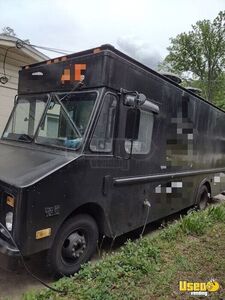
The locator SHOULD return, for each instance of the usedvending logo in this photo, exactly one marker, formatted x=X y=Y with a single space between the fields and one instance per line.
x=199 y=288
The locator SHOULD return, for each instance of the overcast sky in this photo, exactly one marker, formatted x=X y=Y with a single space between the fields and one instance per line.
x=140 y=28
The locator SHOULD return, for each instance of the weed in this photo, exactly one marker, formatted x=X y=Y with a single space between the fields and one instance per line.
x=195 y=223
x=171 y=232
x=217 y=213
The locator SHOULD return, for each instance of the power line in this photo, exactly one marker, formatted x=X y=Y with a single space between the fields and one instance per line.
x=56 y=50
x=20 y=44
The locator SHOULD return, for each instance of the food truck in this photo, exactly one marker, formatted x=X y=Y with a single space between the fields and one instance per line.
x=99 y=144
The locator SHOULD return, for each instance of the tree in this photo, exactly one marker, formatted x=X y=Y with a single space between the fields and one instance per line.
x=201 y=54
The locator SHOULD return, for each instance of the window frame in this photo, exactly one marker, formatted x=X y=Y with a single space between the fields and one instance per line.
x=96 y=123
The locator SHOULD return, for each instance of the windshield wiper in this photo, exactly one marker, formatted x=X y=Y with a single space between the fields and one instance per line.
x=76 y=87
x=25 y=137
x=68 y=116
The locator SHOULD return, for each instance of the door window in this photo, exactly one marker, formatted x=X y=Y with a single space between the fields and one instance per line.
x=102 y=139
x=142 y=144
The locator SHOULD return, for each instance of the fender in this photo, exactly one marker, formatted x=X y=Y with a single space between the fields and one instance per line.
x=205 y=181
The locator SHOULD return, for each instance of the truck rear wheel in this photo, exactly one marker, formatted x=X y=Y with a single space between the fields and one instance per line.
x=73 y=246
x=203 y=198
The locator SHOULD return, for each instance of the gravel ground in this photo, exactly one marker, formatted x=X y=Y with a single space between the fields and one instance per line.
x=14 y=284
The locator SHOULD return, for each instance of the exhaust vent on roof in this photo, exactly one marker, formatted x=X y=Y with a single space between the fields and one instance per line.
x=172 y=77
x=194 y=90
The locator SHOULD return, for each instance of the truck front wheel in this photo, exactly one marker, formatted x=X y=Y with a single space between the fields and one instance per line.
x=74 y=245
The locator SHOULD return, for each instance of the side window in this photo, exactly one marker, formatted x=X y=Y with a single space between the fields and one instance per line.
x=142 y=144
x=102 y=139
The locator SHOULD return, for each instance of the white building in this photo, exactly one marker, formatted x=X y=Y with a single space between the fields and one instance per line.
x=14 y=59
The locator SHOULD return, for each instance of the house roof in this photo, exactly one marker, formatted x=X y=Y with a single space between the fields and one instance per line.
x=28 y=52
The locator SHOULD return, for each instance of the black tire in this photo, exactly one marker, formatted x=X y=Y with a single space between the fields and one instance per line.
x=202 y=198
x=74 y=245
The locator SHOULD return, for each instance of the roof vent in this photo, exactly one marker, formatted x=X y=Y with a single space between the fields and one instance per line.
x=194 y=90
x=172 y=77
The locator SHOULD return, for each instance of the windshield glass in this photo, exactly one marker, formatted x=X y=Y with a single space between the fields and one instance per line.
x=25 y=118
x=66 y=119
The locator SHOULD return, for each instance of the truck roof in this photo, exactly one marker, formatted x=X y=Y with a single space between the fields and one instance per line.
x=105 y=66
x=105 y=49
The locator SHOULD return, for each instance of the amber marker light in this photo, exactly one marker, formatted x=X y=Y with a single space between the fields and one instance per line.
x=40 y=234
x=10 y=201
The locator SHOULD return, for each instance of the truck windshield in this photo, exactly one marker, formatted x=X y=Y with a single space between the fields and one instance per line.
x=25 y=118
x=66 y=119
x=62 y=124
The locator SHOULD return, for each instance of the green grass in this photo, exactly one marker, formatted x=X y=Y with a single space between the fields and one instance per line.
x=150 y=268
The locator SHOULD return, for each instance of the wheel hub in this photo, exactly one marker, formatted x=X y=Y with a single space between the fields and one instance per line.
x=74 y=246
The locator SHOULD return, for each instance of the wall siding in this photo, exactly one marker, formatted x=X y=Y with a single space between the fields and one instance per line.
x=7 y=94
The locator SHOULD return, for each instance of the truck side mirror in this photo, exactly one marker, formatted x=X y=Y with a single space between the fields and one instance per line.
x=134 y=99
x=132 y=124
x=137 y=100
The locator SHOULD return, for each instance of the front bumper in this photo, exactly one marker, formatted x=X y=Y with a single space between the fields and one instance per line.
x=9 y=255
x=6 y=248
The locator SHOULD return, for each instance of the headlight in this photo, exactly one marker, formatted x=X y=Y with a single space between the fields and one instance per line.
x=9 y=220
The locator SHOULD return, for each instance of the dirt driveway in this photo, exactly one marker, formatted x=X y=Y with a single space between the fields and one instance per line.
x=14 y=284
